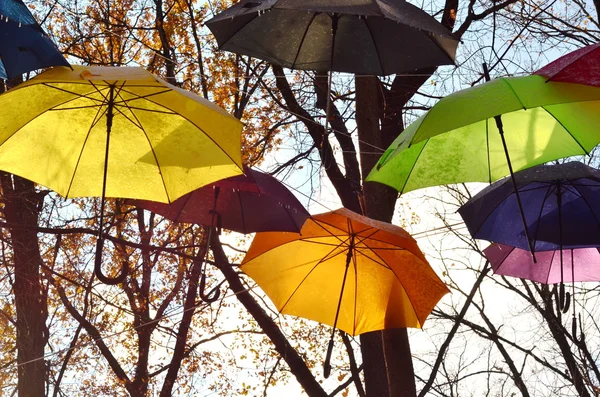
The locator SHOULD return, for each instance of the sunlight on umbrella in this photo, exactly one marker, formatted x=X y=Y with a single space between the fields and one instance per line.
x=347 y=271
x=82 y=132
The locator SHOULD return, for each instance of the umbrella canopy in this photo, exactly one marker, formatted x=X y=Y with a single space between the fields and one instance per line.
x=458 y=139
x=367 y=275
x=582 y=263
x=164 y=141
x=378 y=37
x=561 y=204
x=254 y=202
x=23 y=44
x=579 y=66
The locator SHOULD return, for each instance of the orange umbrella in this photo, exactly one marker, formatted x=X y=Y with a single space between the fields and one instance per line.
x=347 y=271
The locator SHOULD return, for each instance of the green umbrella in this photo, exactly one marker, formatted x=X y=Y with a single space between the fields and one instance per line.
x=458 y=139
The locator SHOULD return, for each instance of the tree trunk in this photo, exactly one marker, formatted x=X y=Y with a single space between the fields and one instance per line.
x=386 y=354
x=22 y=207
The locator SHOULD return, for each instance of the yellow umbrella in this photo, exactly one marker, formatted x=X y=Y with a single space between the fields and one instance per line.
x=115 y=132
x=347 y=271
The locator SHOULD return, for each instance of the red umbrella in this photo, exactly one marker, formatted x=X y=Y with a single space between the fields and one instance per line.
x=254 y=202
x=581 y=66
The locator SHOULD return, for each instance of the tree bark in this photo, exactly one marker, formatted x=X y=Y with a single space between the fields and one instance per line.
x=182 y=332
x=22 y=207
x=386 y=354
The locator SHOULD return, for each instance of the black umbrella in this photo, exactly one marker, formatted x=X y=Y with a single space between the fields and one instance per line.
x=374 y=37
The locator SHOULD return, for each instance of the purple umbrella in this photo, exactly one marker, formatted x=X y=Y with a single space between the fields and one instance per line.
x=254 y=202
x=582 y=264
x=561 y=204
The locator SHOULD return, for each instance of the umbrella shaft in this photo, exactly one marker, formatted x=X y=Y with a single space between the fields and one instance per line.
x=109 y=120
x=348 y=260
x=334 y=24
x=512 y=174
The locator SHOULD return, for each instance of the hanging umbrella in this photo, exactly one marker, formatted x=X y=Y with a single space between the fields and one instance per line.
x=23 y=44
x=457 y=140
x=552 y=267
x=581 y=264
x=561 y=204
x=375 y=37
x=249 y=203
x=579 y=66
x=100 y=131
x=347 y=271
x=464 y=139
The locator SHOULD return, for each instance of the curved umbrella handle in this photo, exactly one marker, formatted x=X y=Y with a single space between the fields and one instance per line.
x=212 y=295
x=327 y=364
x=567 y=302
x=581 y=340
x=98 y=267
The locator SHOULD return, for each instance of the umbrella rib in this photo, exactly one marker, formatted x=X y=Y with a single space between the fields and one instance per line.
x=366 y=23
x=97 y=118
x=201 y=129
x=162 y=179
x=415 y=162
x=382 y=264
x=487 y=142
x=150 y=110
x=402 y=285
x=124 y=104
x=138 y=97
x=550 y=267
x=239 y=196
x=566 y=129
x=304 y=38
x=101 y=111
x=187 y=199
x=78 y=95
x=513 y=91
x=326 y=257
x=548 y=194
x=430 y=37
x=306 y=239
x=33 y=118
x=366 y=247
x=289 y=214
x=241 y=28
x=587 y=203
x=54 y=109
x=318 y=223
x=489 y=213
x=132 y=121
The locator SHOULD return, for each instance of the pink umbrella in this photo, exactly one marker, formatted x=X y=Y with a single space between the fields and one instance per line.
x=580 y=264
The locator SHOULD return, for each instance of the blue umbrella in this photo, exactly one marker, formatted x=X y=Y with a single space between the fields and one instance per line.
x=23 y=44
x=561 y=204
